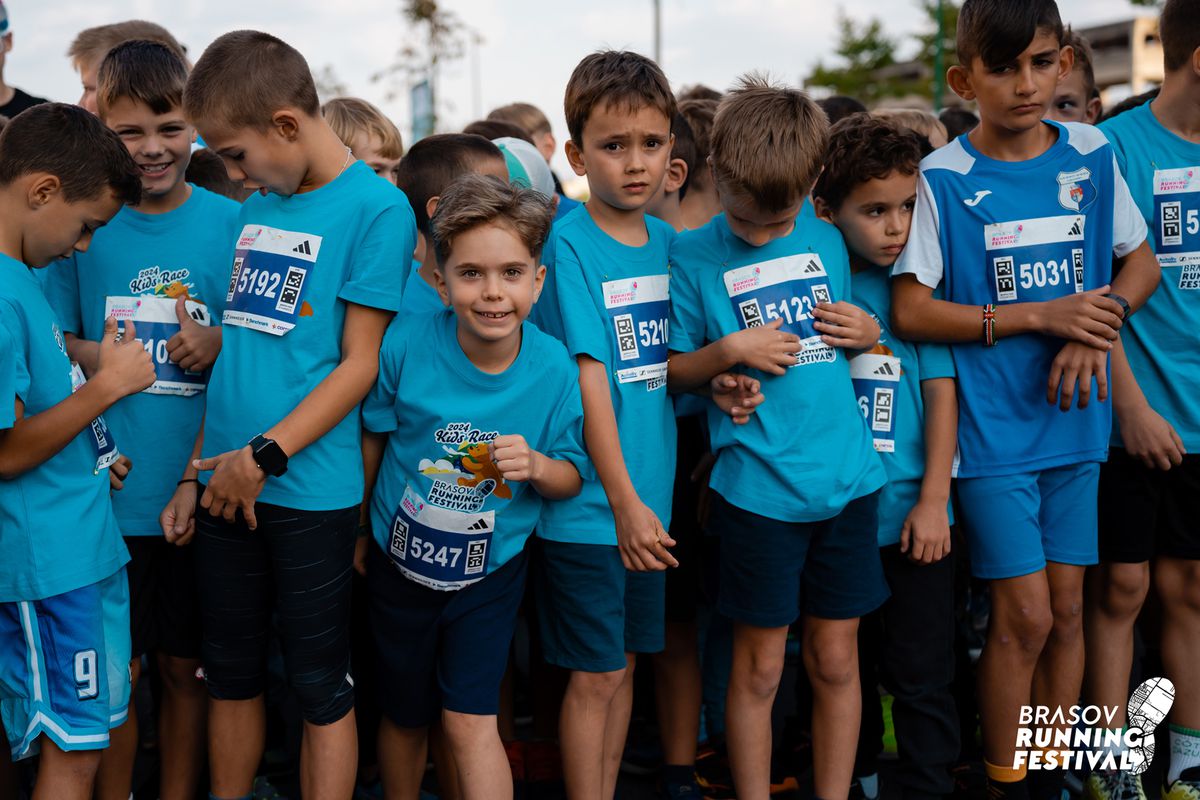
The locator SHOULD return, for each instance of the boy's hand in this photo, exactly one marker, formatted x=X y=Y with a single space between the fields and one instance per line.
x=926 y=534
x=1088 y=318
x=845 y=325
x=515 y=459
x=1077 y=364
x=736 y=395
x=178 y=519
x=123 y=367
x=764 y=348
x=235 y=485
x=641 y=539
x=117 y=473
x=360 y=553
x=196 y=346
x=1150 y=439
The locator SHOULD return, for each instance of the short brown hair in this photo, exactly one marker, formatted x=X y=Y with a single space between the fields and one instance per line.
x=997 y=31
x=1083 y=60
x=525 y=116
x=1179 y=31
x=924 y=123
x=146 y=72
x=863 y=147
x=75 y=146
x=349 y=116
x=684 y=149
x=435 y=162
x=93 y=44
x=474 y=200
x=246 y=76
x=615 y=77
x=768 y=142
x=497 y=129
x=698 y=91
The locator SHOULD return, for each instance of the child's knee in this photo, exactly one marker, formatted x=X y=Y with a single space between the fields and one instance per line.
x=1026 y=629
x=758 y=671
x=832 y=663
x=1125 y=588
x=602 y=686
x=468 y=729
x=179 y=676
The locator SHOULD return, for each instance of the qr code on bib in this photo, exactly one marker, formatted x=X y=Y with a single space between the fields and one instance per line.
x=289 y=295
x=399 y=543
x=626 y=338
x=1006 y=279
x=476 y=557
x=1172 y=230
x=751 y=313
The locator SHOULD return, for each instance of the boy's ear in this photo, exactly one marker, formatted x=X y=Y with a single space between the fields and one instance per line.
x=43 y=186
x=1195 y=62
x=440 y=280
x=823 y=210
x=677 y=172
x=958 y=78
x=431 y=205
x=539 y=279
x=1066 y=62
x=575 y=157
x=286 y=123
x=1093 y=110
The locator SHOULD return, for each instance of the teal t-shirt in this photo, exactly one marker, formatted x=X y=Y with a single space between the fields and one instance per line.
x=610 y=301
x=441 y=510
x=887 y=380
x=806 y=452
x=419 y=297
x=136 y=267
x=57 y=529
x=297 y=262
x=1161 y=340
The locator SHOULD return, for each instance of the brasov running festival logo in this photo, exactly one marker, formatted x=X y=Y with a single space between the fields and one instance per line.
x=1090 y=737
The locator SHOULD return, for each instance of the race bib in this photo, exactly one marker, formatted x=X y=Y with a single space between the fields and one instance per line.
x=785 y=288
x=1033 y=260
x=638 y=309
x=156 y=322
x=271 y=270
x=1177 y=224
x=876 y=381
x=101 y=437
x=439 y=548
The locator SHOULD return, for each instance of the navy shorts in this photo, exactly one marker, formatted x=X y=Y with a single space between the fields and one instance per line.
x=592 y=611
x=772 y=570
x=1016 y=523
x=1146 y=513
x=165 y=611
x=441 y=649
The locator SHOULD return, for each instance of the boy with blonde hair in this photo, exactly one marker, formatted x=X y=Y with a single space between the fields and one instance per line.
x=372 y=137
x=91 y=45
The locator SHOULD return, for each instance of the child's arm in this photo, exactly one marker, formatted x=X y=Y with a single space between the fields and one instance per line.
x=237 y=480
x=736 y=395
x=764 y=348
x=1146 y=435
x=84 y=353
x=552 y=478
x=926 y=533
x=640 y=535
x=178 y=519
x=373 y=445
x=124 y=368
x=196 y=346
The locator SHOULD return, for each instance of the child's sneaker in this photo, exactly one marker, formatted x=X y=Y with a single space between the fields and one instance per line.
x=1113 y=785
x=1186 y=787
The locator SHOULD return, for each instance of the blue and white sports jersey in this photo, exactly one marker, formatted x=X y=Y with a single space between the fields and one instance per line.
x=137 y=267
x=297 y=263
x=1002 y=232
x=57 y=529
x=1161 y=340
x=806 y=452
x=887 y=380
x=441 y=510
x=609 y=301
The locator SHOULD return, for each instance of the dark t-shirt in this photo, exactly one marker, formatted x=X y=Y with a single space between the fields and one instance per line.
x=20 y=101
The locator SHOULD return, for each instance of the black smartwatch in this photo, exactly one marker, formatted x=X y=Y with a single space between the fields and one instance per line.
x=1123 y=303
x=268 y=455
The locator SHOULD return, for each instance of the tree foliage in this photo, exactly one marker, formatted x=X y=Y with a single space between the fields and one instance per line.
x=435 y=35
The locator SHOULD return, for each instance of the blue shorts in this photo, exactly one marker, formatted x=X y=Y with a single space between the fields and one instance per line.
x=439 y=649
x=592 y=611
x=64 y=669
x=1016 y=523
x=771 y=570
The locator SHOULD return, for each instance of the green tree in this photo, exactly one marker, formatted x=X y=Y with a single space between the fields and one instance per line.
x=862 y=50
x=927 y=44
x=436 y=35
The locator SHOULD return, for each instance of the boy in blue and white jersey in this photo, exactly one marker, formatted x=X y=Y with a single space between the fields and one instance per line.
x=1017 y=225
x=906 y=391
x=461 y=477
x=764 y=287
x=164 y=265
x=1150 y=487
x=64 y=603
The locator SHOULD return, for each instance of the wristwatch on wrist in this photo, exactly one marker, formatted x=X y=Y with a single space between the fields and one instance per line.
x=1123 y=303
x=269 y=456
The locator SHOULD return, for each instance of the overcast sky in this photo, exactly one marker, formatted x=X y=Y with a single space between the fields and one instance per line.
x=529 y=46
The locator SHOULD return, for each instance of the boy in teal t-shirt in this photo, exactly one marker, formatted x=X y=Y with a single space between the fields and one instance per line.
x=764 y=287
x=1149 y=498
x=318 y=269
x=64 y=605
x=460 y=479
x=163 y=265
x=906 y=393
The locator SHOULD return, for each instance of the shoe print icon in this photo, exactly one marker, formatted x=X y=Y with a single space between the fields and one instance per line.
x=1148 y=706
